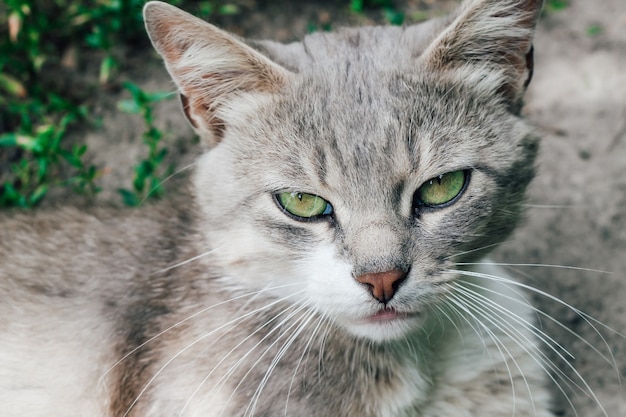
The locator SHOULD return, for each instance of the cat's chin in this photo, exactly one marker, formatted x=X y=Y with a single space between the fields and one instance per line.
x=384 y=325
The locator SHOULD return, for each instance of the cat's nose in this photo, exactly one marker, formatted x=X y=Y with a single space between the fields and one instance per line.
x=383 y=285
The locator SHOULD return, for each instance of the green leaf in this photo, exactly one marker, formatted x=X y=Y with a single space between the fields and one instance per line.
x=72 y=159
x=11 y=197
x=228 y=9
x=394 y=17
x=106 y=69
x=129 y=106
x=356 y=6
x=160 y=96
x=28 y=143
x=38 y=194
x=594 y=30
x=134 y=90
x=128 y=197
x=12 y=86
x=8 y=139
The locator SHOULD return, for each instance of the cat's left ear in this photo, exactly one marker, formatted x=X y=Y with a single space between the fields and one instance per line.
x=491 y=39
x=212 y=68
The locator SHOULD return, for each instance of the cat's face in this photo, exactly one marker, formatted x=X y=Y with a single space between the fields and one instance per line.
x=356 y=185
x=370 y=156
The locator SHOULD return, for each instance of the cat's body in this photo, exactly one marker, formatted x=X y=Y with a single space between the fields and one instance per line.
x=67 y=331
x=242 y=298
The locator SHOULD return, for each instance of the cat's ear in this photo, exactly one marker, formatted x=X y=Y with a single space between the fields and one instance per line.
x=210 y=67
x=492 y=38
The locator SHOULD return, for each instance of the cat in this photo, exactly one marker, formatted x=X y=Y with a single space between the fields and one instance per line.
x=329 y=259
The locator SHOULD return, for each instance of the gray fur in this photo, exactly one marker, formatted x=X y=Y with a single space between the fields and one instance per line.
x=221 y=304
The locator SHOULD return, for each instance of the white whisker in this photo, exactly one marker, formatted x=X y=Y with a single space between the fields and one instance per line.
x=587 y=390
x=549 y=317
x=191 y=317
x=573 y=268
x=302 y=323
x=185 y=262
x=231 y=370
x=232 y=350
x=195 y=342
x=305 y=352
x=547 y=295
x=458 y=302
x=482 y=248
x=552 y=206
x=164 y=180
x=539 y=362
x=488 y=304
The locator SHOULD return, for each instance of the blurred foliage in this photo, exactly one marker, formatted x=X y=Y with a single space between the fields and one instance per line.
x=551 y=6
x=149 y=174
x=392 y=14
x=595 y=29
x=37 y=109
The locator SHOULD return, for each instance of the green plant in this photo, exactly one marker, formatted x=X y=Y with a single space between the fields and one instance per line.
x=149 y=174
x=393 y=16
x=39 y=100
x=594 y=29
x=552 y=6
x=38 y=168
x=35 y=109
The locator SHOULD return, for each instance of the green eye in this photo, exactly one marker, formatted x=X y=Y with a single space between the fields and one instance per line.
x=441 y=190
x=304 y=205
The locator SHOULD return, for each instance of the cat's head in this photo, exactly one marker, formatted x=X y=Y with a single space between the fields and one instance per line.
x=353 y=171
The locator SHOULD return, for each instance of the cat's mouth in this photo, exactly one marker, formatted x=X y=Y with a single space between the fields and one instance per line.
x=389 y=314
x=385 y=324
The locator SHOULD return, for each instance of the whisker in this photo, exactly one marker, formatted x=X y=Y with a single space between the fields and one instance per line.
x=587 y=389
x=195 y=342
x=191 y=317
x=445 y=314
x=540 y=363
x=573 y=268
x=323 y=339
x=227 y=355
x=185 y=262
x=553 y=206
x=542 y=336
x=452 y=297
x=267 y=349
x=164 y=180
x=544 y=314
x=580 y=313
x=305 y=352
x=493 y=245
x=281 y=353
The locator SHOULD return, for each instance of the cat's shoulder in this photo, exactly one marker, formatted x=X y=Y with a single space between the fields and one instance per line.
x=68 y=245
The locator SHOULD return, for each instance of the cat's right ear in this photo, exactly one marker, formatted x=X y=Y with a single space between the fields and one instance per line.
x=489 y=41
x=210 y=67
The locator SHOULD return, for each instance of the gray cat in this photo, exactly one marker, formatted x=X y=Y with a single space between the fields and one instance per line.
x=330 y=258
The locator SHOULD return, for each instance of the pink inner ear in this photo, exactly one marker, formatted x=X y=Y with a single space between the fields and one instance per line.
x=209 y=66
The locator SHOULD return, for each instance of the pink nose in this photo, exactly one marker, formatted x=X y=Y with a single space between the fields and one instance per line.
x=383 y=285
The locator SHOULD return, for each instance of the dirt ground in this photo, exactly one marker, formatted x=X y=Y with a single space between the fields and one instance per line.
x=577 y=206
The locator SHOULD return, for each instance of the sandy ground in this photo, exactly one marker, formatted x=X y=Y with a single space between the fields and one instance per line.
x=577 y=214
x=577 y=206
